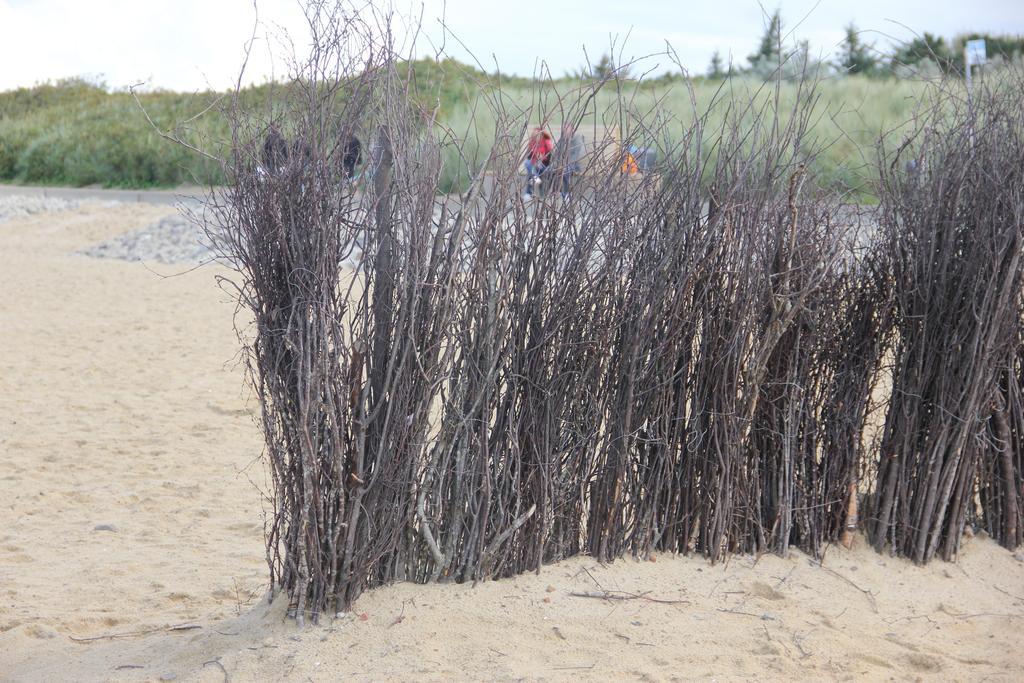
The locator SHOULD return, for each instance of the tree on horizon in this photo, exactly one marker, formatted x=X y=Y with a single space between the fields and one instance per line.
x=605 y=68
x=770 y=47
x=716 y=70
x=856 y=56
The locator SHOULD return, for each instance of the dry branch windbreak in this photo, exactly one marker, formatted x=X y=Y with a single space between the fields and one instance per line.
x=458 y=388
x=951 y=449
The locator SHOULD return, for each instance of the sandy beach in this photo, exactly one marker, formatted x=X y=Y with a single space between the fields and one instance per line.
x=131 y=528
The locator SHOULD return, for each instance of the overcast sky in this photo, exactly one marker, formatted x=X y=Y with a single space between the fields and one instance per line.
x=189 y=44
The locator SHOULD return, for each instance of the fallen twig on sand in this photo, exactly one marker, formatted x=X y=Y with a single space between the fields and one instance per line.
x=777 y=642
x=960 y=615
x=570 y=668
x=596 y=582
x=804 y=654
x=400 y=618
x=184 y=627
x=765 y=617
x=216 y=661
x=870 y=596
x=1004 y=592
x=133 y=634
x=622 y=595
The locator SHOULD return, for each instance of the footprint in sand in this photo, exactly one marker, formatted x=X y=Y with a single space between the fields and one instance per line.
x=765 y=650
x=922 y=662
x=873 y=660
x=41 y=631
x=763 y=590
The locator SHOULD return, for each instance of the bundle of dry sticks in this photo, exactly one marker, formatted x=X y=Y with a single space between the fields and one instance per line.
x=721 y=357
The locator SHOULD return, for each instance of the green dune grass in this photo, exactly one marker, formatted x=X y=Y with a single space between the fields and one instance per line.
x=76 y=133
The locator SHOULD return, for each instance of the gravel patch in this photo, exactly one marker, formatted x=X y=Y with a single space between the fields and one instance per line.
x=19 y=206
x=172 y=239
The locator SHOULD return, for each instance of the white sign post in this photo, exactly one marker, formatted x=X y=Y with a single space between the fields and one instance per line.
x=974 y=55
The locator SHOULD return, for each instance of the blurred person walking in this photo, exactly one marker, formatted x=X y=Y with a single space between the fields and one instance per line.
x=537 y=159
x=568 y=155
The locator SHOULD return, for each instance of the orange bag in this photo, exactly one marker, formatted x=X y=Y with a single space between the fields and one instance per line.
x=629 y=166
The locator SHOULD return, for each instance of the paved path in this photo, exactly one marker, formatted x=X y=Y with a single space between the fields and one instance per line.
x=146 y=196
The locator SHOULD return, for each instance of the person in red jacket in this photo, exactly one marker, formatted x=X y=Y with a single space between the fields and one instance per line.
x=538 y=157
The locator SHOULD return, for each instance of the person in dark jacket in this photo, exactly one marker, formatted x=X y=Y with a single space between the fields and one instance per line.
x=568 y=155
x=351 y=157
x=301 y=153
x=275 y=151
